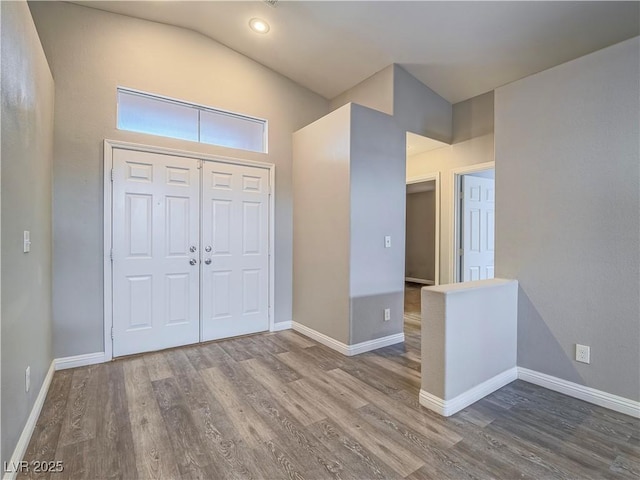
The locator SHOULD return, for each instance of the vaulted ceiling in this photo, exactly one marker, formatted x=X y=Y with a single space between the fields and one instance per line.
x=458 y=49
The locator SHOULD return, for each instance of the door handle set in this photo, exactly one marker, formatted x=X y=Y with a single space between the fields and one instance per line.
x=193 y=249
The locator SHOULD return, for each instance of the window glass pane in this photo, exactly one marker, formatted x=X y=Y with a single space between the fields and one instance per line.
x=227 y=130
x=141 y=113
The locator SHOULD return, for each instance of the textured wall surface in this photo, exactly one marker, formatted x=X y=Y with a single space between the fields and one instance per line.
x=27 y=151
x=321 y=153
x=568 y=228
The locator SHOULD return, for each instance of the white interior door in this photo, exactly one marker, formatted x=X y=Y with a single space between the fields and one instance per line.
x=156 y=230
x=235 y=240
x=478 y=227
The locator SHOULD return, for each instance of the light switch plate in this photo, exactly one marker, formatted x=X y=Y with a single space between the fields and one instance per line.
x=387 y=241
x=27 y=241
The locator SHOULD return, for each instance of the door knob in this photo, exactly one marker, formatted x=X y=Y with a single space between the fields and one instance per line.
x=192 y=248
x=207 y=248
x=208 y=261
x=193 y=261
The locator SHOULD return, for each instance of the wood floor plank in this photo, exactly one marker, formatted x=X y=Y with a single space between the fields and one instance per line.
x=157 y=366
x=248 y=423
x=80 y=422
x=397 y=458
x=78 y=461
x=436 y=431
x=186 y=442
x=358 y=460
x=304 y=412
x=272 y=366
x=233 y=456
x=295 y=339
x=154 y=454
x=114 y=449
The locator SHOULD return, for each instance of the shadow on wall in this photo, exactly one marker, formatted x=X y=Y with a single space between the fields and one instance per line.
x=535 y=336
x=368 y=316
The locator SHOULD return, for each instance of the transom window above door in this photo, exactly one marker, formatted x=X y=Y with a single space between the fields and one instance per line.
x=147 y=113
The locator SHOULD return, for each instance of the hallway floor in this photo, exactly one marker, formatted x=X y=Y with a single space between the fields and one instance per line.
x=279 y=405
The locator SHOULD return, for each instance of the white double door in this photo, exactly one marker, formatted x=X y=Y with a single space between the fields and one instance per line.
x=190 y=258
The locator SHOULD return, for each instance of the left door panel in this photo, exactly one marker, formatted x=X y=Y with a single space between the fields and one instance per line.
x=156 y=251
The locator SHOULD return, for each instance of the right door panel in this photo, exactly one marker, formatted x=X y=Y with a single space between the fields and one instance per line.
x=235 y=239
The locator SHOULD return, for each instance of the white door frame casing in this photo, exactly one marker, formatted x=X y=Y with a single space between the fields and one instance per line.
x=454 y=228
x=109 y=146
x=427 y=178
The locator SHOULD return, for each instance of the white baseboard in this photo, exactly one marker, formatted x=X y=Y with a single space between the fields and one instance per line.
x=27 y=431
x=375 y=344
x=447 y=408
x=79 y=360
x=419 y=280
x=588 y=394
x=343 y=348
x=277 y=327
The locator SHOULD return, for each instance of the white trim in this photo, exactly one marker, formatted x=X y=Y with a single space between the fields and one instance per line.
x=447 y=408
x=455 y=214
x=588 y=394
x=109 y=145
x=375 y=344
x=80 y=360
x=343 y=348
x=426 y=178
x=29 y=427
x=277 y=327
x=419 y=280
x=107 y=306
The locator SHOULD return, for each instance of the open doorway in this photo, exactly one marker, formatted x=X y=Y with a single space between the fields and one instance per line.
x=422 y=244
x=474 y=223
x=422 y=236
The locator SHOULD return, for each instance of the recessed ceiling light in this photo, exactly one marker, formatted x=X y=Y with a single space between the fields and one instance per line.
x=258 y=25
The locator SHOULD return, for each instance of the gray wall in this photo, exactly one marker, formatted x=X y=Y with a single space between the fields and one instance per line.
x=418 y=109
x=321 y=153
x=378 y=193
x=375 y=92
x=420 y=254
x=91 y=53
x=568 y=229
x=414 y=106
x=473 y=118
x=27 y=150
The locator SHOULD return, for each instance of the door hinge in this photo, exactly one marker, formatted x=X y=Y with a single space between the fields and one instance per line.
x=460 y=252
x=199 y=164
x=111 y=254
x=112 y=174
x=461 y=195
x=111 y=333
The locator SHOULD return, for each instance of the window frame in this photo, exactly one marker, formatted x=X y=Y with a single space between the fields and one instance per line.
x=199 y=108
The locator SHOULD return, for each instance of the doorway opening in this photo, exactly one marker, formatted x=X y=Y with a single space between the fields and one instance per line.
x=422 y=239
x=474 y=223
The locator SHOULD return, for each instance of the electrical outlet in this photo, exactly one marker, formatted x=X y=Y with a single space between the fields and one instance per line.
x=27 y=379
x=583 y=353
x=387 y=241
x=387 y=314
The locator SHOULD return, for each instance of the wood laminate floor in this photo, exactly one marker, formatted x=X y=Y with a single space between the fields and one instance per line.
x=279 y=405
